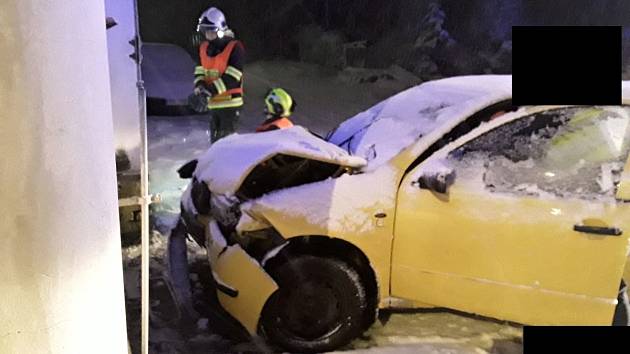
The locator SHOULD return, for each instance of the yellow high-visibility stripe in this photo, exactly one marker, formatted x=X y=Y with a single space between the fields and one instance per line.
x=212 y=73
x=237 y=77
x=220 y=85
x=199 y=78
x=234 y=102
x=234 y=72
x=200 y=70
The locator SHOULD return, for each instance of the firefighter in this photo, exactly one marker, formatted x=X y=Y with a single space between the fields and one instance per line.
x=279 y=106
x=219 y=78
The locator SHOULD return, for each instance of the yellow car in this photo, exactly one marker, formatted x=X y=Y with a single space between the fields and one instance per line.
x=441 y=196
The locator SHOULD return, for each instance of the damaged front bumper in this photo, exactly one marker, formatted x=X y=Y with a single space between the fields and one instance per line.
x=243 y=285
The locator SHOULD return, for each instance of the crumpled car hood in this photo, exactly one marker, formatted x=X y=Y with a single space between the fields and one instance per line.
x=227 y=163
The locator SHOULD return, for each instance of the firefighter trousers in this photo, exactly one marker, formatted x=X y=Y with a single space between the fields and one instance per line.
x=223 y=122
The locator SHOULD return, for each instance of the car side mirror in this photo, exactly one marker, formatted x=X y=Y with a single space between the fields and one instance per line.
x=187 y=170
x=438 y=182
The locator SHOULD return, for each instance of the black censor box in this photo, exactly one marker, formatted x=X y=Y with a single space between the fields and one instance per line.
x=566 y=65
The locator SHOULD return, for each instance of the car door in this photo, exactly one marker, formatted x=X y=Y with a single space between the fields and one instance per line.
x=530 y=229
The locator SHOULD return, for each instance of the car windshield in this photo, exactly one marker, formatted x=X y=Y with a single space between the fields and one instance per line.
x=387 y=128
x=347 y=135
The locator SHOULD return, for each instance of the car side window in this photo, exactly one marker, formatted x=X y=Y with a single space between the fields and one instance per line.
x=465 y=127
x=576 y=152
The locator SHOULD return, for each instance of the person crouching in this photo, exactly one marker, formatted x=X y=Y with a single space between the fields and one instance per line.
x=279 y=106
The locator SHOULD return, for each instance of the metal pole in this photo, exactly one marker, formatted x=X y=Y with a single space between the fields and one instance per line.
x=145 y=199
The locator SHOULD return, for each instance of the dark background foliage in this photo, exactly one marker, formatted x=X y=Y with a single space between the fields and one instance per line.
x=431 y=38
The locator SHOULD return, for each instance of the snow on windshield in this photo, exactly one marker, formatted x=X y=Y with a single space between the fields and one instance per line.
x=566 y=153
x=384 y=130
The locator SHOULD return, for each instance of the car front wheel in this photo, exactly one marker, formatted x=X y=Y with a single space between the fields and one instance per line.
x=319 y=305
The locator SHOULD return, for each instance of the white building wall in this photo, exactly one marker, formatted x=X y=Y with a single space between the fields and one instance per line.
x=61 y=287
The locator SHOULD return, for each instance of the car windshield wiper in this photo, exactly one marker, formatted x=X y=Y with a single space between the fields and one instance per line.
x=351 y=137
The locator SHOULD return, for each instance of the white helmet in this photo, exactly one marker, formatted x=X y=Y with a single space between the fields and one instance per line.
x=212 y=20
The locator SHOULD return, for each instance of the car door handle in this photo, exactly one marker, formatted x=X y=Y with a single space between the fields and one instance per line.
x=598 y=230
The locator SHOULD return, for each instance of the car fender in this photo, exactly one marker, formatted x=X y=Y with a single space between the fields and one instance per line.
x=243 y=285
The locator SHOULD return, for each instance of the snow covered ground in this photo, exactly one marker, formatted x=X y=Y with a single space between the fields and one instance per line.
x=429 y=331
x=324 y=99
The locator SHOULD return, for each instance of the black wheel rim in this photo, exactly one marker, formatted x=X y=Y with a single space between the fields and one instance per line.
x=309 y=311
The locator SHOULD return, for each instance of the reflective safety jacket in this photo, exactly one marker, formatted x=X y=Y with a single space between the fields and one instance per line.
x=274 y=124
x=222 y=73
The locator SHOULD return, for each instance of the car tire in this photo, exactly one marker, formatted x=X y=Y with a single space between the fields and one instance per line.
x=319 y=306
x=622 y=310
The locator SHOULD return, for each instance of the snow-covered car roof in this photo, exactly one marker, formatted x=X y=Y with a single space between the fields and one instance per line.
x=167 y=71
x=227 y=163
x=394 y=124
